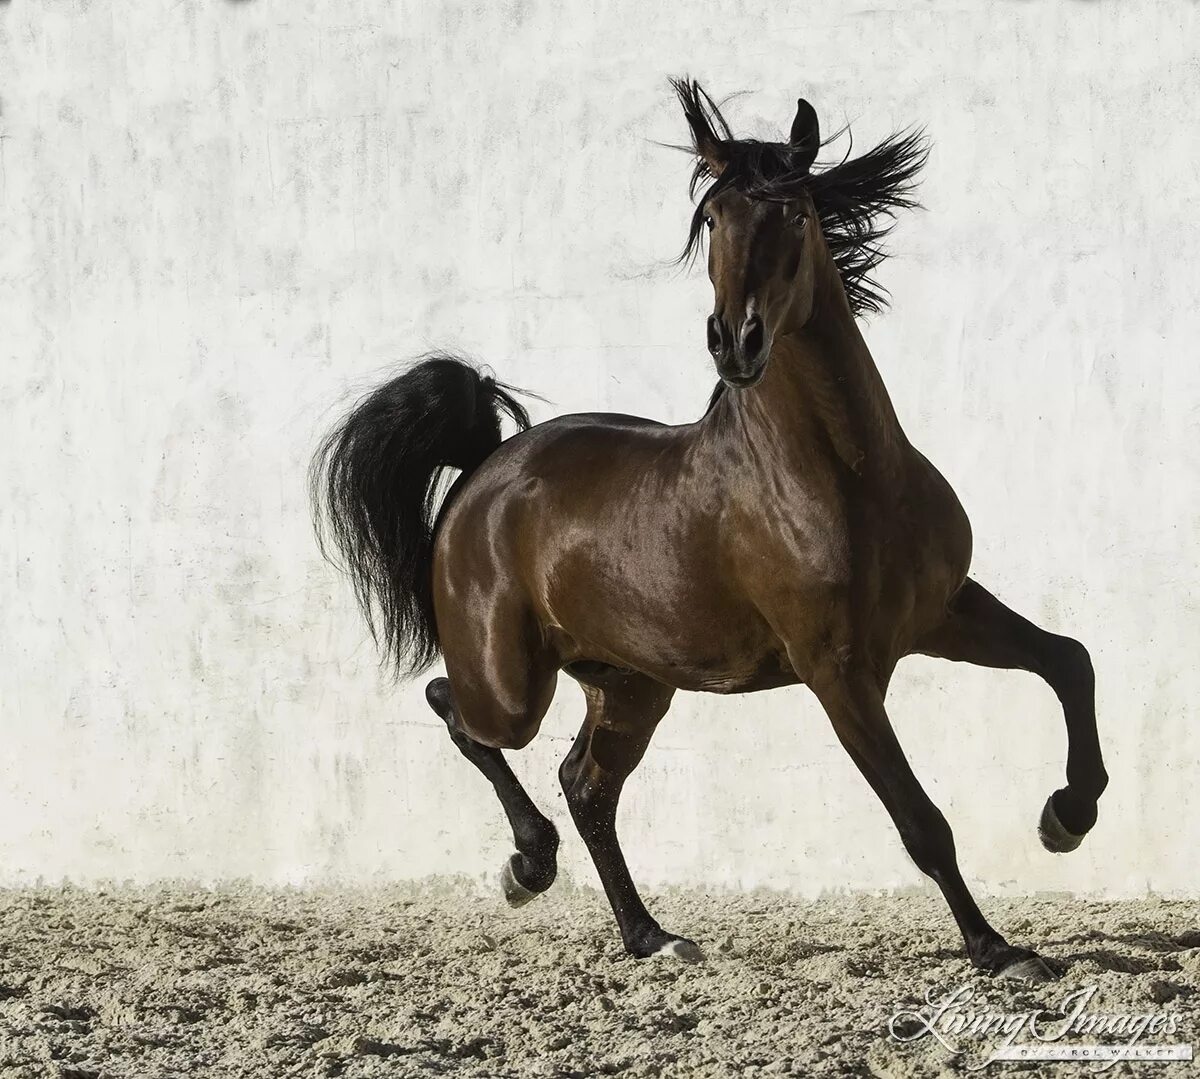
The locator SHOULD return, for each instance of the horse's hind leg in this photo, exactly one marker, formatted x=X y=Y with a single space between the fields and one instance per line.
x=621 y=718
x=532 y=868
x=981 y=630
x=854 y=703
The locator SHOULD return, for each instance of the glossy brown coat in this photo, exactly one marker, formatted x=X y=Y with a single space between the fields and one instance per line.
x=793 y=534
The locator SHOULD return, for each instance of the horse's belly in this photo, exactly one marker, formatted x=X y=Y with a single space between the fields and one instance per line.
x=692 y=639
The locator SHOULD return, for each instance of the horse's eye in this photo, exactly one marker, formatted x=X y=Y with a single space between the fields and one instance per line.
x=708 y=221
x=800 y=220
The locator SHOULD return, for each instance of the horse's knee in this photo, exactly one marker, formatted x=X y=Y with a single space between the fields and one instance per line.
x=928 y=839
x=1072 y=661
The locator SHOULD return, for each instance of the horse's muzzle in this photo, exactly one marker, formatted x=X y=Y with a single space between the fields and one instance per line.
x=741 y=358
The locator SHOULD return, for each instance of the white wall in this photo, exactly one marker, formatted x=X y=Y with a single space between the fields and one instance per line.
x=221 y=218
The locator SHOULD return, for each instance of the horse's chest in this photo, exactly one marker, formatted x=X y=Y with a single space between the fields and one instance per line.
x=830 y=565
x=807 y=541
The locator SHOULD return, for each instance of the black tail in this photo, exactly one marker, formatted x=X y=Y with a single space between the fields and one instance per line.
x=375 y=481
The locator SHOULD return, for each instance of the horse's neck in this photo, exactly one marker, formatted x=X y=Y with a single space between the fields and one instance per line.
x=822 y=380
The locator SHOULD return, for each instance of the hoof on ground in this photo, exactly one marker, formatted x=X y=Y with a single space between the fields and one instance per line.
x=1032 y=968
x=684 y=950
x=515 y=893
x=1053 y=834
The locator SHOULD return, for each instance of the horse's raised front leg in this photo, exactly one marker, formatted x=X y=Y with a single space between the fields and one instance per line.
x=531 y=870
x=979 y=629
x=620 y=722
x=855 y=706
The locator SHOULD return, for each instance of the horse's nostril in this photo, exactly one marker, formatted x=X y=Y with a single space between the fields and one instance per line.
x=752 y=336
x=716 y=340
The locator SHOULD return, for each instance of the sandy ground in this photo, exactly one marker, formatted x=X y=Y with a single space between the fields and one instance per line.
x=184 y=981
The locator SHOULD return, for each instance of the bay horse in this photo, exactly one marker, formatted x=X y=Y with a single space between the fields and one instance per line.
x=791 y=535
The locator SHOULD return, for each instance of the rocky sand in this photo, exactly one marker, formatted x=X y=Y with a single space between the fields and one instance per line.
x=441 y=980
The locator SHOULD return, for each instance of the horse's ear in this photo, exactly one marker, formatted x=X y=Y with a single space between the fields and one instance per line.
x=709 y=150
x=705 y=123
x=806 y=135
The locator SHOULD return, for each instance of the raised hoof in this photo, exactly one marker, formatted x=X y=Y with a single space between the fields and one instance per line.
x=515 y=893
x=1053 y=834
x=685 y=951
x=1032 y=968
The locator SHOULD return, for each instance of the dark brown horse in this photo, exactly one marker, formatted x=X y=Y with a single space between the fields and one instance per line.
x=793 y=534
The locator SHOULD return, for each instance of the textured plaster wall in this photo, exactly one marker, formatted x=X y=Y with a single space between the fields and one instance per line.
x=217 y=220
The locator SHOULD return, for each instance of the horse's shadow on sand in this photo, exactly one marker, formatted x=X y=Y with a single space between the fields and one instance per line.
x=1160 y=947
x=1063 y=957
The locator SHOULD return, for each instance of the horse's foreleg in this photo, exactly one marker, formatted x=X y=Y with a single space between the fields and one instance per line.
x=980 y=629
x=620 y=722
x=854 y=704
x=532 y=868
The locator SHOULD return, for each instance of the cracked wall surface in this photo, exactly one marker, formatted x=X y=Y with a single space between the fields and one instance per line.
x=218 y=222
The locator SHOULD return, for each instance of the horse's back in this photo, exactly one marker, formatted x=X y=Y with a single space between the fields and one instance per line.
x=563 y=455
x=568 y=474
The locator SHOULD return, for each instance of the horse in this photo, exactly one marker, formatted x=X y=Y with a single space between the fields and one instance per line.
x=791 y=535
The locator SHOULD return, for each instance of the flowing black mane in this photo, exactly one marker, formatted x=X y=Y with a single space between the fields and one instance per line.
x=855 y=200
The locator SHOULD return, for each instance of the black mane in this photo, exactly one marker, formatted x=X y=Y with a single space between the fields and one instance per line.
x=855 y=200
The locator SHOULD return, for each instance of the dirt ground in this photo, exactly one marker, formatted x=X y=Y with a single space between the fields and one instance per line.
x=184 y=981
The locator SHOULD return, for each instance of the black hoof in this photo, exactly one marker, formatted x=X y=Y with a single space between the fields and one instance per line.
x=521 y=881
x=686 y=951
x=515 y=893
x=658 y=942
x=1065 y=820
x=995 y=956
x=1001 y=960
x=1031 y=968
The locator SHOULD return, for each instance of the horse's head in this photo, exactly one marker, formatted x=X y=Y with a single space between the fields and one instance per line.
x=762 y=243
